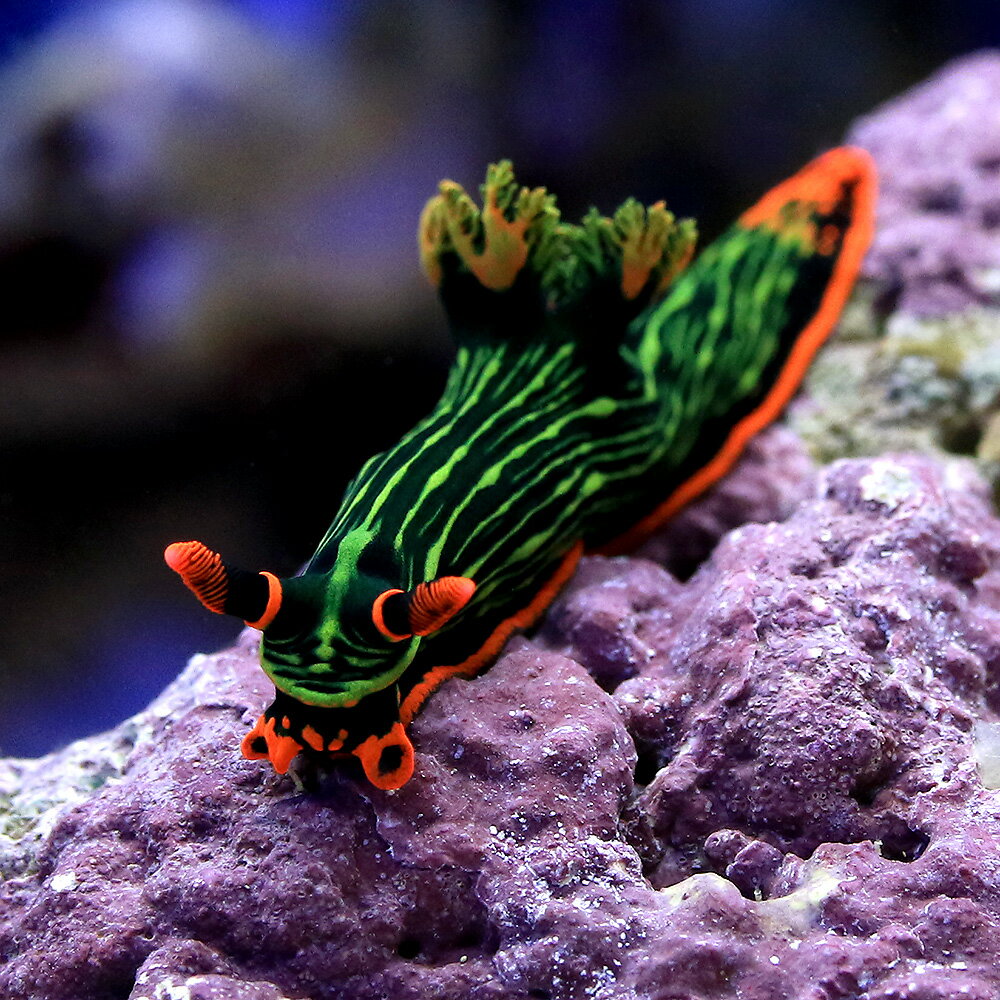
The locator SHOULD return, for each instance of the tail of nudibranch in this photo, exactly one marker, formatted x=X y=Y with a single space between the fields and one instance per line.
x=733 y=338
x=518 y=243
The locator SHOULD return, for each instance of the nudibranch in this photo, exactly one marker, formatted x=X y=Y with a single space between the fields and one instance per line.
x=599 y=384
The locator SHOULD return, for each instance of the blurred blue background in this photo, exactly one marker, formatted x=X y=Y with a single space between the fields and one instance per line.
x=211 y=306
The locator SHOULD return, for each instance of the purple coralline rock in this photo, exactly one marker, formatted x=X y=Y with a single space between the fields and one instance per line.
x=781 y=784
x=775 y=474
x=938 y=150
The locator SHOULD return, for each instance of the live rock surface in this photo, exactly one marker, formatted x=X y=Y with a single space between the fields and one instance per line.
x=760 y=759
x=915 y=364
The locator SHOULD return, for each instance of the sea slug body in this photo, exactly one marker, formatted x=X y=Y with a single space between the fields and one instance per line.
x=600 y=383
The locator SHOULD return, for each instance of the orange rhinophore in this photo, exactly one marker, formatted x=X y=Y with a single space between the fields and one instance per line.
x=202 y=570
x=434 y=603
x=224 y=589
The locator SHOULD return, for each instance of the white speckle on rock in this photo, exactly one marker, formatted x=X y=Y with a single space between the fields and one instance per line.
x=63 y=882
x=987 y=279
x=987 y=750
x=170 y=989
x=888 y=484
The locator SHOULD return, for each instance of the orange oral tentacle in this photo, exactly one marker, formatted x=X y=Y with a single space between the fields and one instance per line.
x=387 y=760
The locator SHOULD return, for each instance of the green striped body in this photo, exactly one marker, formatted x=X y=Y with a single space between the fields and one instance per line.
x=573 y=412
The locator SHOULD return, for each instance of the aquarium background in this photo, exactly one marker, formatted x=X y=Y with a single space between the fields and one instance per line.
x=211 y=306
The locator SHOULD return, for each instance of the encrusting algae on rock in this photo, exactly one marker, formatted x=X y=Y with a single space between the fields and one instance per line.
x=770 y=780
x=916 y=364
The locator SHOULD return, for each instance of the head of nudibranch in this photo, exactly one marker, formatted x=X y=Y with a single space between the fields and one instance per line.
x=334 y=644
